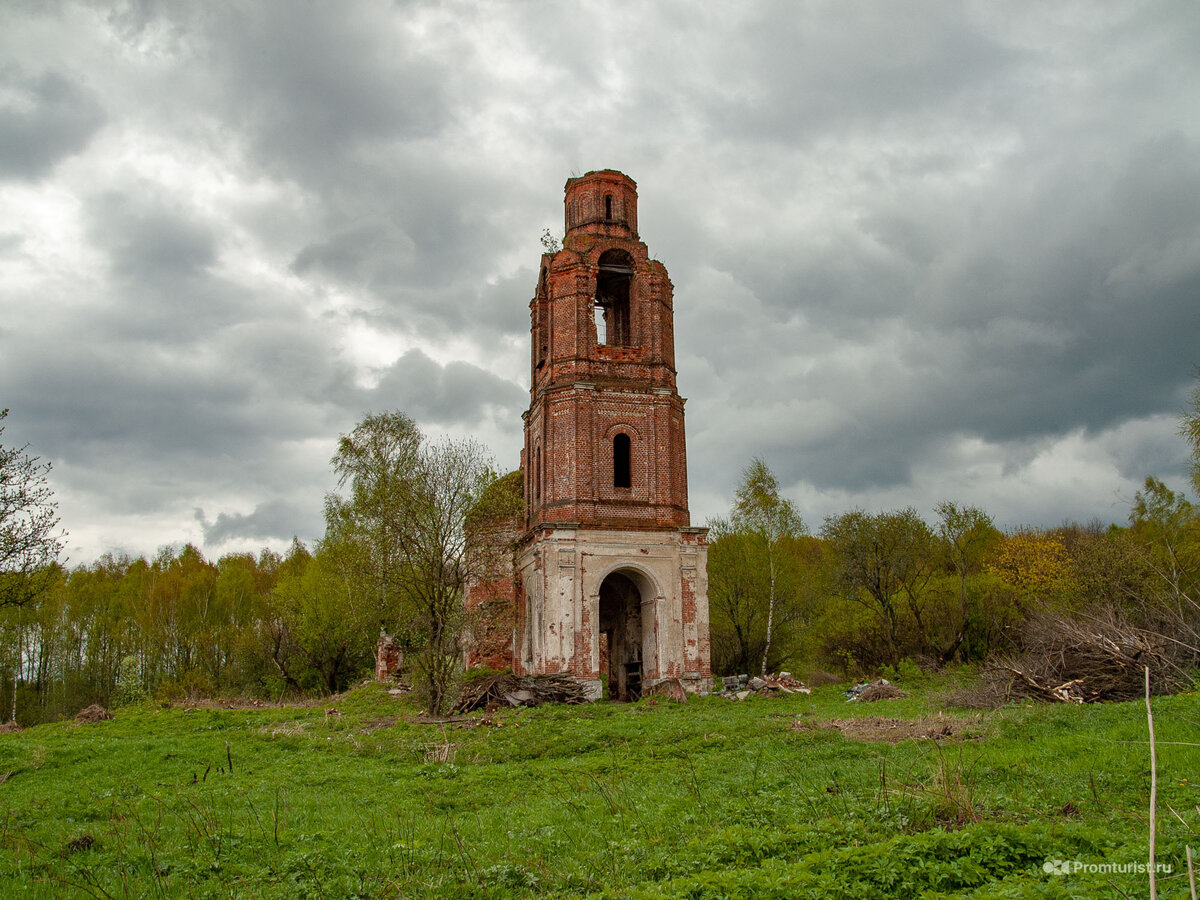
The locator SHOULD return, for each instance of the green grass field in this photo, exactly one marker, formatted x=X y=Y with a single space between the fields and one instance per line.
x=712 y=798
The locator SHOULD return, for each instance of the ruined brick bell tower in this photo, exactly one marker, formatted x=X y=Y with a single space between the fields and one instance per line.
x=611 y=581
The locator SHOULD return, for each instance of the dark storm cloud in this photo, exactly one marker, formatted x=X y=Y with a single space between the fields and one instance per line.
x=1014 y=294
x=43 y=119
x=903 y=236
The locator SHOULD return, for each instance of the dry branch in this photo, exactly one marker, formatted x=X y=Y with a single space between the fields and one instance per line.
x=509 y=690
x=1088 y=657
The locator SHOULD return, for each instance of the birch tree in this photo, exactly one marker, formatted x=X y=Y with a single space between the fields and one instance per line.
x=762 y=528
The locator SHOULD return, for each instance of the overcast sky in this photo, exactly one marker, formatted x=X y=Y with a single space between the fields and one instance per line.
x=920 y=250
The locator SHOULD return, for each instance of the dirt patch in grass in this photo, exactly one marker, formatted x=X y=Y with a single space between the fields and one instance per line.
x=191 y=703
x=893 y=731
x=379 y=722
x=487 y=721
x=10 y=728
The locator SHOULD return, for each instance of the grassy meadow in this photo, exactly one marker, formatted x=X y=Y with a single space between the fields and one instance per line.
x=771 y=797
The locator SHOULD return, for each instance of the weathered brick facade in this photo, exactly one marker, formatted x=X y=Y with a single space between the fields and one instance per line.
x=490 y=602
x=610 y=579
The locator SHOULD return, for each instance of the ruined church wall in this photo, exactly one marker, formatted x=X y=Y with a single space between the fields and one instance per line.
x=559 y=578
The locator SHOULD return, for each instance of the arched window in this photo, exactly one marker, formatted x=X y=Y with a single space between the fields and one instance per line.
x=622 y=465
x=537 y=489
x=608 y=207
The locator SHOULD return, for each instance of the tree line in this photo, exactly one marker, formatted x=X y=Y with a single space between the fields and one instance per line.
x=395 y=556
x=873 y=589
x=414 y=522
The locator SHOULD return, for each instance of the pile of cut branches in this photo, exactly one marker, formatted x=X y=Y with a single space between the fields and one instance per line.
x=1089 y=656
x=502 y=690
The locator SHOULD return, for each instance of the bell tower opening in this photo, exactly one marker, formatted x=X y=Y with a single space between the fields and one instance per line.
x=613 y=283
x=621 y=636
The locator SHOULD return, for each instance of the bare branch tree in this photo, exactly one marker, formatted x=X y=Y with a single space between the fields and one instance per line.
x=30 y=539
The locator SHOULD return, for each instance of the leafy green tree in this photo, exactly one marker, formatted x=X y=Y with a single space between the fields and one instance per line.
x=328 y=623
x=1109 y=564
x=1168 y=525
x=271 y=654
x=377 y=461
x=757 y=581
x=30 y=539
x=884 y=562
x=965 y=533
x=408 y=509
x=235 y=603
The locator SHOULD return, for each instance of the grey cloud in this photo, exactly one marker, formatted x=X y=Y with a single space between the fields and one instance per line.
x=313 y=83
x=147 y=238
x=457 y=393
x=360 y=254
x=46 y=119
x=893 y=230
x=273 y=519
x=925 y=60
x=1070 y=305
x=164 y=284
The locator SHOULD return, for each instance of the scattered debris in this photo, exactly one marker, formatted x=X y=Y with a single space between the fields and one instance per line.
x=94 y=713
x=1072 y=691
x=670 y=688
x=509 y=690
x=739 y=687
x=870 y=691
x=441 y=753
x=10 y=727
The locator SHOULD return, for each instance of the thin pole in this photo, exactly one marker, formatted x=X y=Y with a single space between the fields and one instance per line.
x=1153 y=790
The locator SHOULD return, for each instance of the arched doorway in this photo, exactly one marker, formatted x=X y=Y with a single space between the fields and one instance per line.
x=621 y=643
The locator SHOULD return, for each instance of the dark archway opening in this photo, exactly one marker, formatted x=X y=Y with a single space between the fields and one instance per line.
x=621 y=637
x=613 y=284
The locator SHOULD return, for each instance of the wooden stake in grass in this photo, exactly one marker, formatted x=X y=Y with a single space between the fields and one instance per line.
x=1153 y=789
x=1191 y=872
